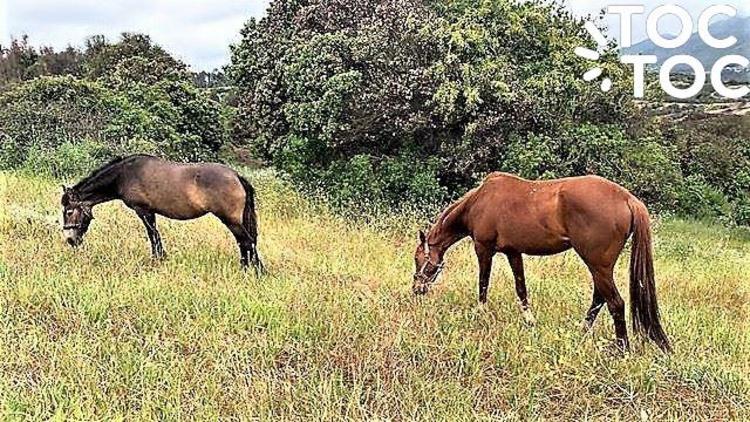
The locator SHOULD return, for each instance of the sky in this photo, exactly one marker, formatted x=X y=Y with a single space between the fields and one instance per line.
x=196 y=31
x=199 y=32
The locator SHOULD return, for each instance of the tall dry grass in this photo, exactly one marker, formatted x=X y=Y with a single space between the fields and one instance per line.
x=104 y=332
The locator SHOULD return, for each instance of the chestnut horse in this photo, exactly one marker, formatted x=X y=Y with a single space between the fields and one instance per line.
x=514 y=216
x=150 y=186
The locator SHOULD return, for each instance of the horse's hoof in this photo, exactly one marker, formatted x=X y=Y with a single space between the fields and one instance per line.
x=586 y=326
x=618 y=348
x=528 y=318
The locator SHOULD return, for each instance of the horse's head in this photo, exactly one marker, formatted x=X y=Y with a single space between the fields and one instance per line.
x=428 y=265
x=77 y=216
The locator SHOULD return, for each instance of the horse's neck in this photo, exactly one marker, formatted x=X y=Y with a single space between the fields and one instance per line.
x=449 y=229
x=444 y=239
x=103 y=188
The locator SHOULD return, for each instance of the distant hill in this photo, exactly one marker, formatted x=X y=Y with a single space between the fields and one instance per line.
x=737 y=26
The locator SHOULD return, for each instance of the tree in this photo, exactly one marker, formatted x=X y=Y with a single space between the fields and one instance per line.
x=440 y=85
x=134 y=58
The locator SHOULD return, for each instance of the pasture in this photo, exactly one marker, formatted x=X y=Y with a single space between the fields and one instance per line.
x=334 y=331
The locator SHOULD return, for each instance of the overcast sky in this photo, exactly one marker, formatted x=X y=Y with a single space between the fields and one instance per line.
x=200 y=31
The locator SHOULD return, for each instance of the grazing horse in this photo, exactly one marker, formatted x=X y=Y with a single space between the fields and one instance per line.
x=514 y=216
x=149 y=186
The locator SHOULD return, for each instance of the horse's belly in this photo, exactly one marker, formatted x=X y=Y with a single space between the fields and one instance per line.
x=535 y=245
x=186 y=214
x=543 y=250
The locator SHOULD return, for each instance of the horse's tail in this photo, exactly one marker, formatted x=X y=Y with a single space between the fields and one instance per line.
x=250 y=218
x=643 y=307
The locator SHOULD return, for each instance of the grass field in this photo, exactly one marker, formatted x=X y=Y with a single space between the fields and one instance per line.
x=333 y=331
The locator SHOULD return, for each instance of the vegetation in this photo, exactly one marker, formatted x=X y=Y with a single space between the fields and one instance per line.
x=130 y=96
x=397 y=105
x=388 y=109
x=415 y=101
x=103 y=332
x=364 y=98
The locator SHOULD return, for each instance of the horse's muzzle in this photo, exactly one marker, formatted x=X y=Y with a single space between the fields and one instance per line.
x=74 y=241
x=72 y=238
x=420 y=287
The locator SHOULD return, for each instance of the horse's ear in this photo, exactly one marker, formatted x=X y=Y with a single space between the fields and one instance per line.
x=422 y=237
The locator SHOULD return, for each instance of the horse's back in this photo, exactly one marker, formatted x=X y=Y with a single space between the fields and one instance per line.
x=549 y=216
x=185 y=190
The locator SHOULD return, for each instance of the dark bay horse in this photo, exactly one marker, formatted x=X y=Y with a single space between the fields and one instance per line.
x=589 y=214
x=150 y=186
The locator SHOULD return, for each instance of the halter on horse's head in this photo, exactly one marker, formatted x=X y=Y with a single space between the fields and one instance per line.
x=77 y=216
x=429 y=264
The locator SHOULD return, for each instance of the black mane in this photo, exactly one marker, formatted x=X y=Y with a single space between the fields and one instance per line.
x=103 y=176
x=104 y=169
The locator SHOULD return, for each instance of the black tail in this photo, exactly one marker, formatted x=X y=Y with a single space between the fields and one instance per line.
x=250 y=222
x=643 y=307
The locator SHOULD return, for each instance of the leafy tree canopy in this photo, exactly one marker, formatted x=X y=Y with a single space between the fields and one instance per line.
x=444 y=86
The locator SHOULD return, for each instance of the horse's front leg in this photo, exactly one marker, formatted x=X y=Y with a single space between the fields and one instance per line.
x=149 y=221
x=484 y=256
x=516 y=264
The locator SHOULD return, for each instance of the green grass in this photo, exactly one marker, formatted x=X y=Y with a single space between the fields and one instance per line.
x=103 y=332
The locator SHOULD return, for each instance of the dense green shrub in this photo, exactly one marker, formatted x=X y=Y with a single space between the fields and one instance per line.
x=45 y=113
x=741 y=210
x=169 y=118
x=352 y=85
x=641 y=164
x=134 y=58
x=698 y=198
x=717 y=149
x=67 y=159
x=363 y=182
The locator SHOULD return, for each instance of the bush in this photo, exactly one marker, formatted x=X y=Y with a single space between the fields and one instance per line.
x=368 y=84
x=362 y=183
x=67 y=160
x=47 y=112
x=55 y=114
x=697 y=198
x=643 y=165
x=741 y=210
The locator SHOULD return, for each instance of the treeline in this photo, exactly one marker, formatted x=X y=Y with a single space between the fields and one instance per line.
x=66 y=111
x=414 y=101
x=377 y=103
x=22 y=61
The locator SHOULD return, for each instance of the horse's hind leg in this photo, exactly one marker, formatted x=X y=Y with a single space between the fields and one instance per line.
x=149 y=221
x=597 y=302
x=247 y=246
x=604 y=282
x=599 y=250
x=243 y=242
x=516 y=264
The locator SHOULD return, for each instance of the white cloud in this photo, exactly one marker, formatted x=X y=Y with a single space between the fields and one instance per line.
x=198 y=31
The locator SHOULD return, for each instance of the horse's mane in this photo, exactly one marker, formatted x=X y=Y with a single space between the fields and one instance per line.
x=454 y=210
x=103 y=171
